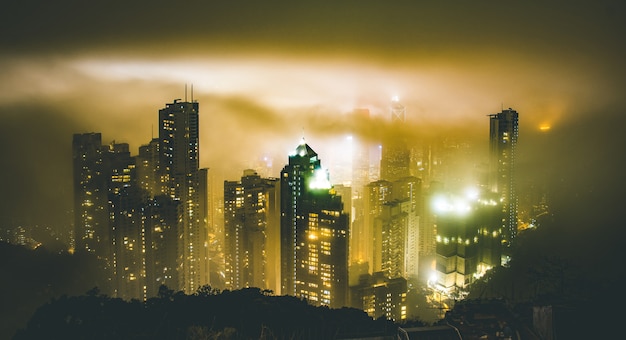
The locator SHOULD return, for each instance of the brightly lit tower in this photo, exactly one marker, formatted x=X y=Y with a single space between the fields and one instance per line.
x=314 y=232
x=468 y=240
x=503 y=132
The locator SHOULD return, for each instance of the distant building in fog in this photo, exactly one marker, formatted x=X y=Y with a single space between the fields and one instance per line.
x=503 y=133
x=395 y=160
x=314 y=233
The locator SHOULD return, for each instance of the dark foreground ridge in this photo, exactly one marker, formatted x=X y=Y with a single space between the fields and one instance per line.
x=209 y=314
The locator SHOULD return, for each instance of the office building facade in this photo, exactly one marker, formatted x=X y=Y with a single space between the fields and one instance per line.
x=314 y=232
x=180 y=179
x=248 y=210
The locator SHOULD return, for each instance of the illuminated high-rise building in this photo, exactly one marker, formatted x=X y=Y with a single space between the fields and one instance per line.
x=393 y=218
x=162 y=215
x=128 y=238
x=503 y=132
x=248 y=208
x=379 y=296
x=180 y=179
x=91 y=179
x=409 y=189
x=468 y=240
x=314 y=232
x=147 y=167
x=376 y=195
x=110 y=213
x=145 y=216
x=391 y=228
x=127 y=224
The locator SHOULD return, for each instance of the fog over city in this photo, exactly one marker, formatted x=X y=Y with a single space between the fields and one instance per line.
x=266 y=74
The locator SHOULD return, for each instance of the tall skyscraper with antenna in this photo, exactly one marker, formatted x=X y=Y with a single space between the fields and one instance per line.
x=145 y=216
x=180 y=179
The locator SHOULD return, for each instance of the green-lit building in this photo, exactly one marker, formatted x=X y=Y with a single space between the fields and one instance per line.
x=314 y=233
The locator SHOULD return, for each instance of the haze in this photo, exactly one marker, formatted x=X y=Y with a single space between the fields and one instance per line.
x=267 y=73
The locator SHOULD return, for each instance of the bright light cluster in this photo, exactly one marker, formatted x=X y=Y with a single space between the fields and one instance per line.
x=455 y=205
x=459 y=205
x=320 y=180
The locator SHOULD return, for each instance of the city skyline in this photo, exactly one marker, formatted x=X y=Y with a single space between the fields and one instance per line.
x=347 y=79
x=283 y=71
x=261 y=67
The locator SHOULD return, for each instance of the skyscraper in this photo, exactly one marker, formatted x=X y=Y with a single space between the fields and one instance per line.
x=410 y=189
x=314 y=232
x=376 y=195
x=503 y=132
x=468 y=240
x=91 y=216
x=145 y=216
x=179 y=179
x=147 y=165
x=127 y=224
x=392 y=224
x=162 y=223
x=248 y=208
x=109 y=208
x=162 y=215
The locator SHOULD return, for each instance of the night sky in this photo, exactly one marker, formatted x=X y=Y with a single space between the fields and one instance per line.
x=267 y=73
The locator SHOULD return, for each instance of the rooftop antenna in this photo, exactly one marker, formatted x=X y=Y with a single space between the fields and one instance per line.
x=192 y=92
x=185 y=91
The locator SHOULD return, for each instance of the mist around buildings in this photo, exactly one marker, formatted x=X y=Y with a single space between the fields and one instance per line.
x=399 y=221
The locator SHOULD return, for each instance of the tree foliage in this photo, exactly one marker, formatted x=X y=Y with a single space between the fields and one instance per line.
x=208 y=314
x=31 y=278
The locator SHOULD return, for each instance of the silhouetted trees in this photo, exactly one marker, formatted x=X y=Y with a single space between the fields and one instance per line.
x=208 y=314
x=30 y=278
x=549 y=267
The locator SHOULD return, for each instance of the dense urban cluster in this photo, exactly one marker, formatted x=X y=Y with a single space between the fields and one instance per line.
x=395 y=227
